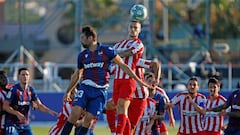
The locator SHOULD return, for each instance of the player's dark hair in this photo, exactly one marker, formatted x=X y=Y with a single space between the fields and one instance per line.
x=22 y=69
x=149 y=75
x=214 y=81
x=136 y=21
x=89 y=31
x=132 y=20
x=3 y=79
x=194 y=78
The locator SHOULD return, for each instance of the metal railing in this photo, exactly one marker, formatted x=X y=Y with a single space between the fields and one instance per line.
x=55 y=77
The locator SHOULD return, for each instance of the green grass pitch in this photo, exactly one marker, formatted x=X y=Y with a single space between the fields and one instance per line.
x=99 y=130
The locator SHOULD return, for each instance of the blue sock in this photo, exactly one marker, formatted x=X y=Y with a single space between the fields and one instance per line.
x=83 y=131
x=67 y=128
x=77 y=129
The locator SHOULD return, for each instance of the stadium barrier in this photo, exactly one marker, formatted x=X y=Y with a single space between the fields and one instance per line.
x=55 y=77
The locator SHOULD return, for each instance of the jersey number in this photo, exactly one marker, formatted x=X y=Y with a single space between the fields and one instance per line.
x=80 y=93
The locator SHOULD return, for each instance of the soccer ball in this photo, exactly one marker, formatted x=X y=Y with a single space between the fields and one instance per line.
x=138 y=12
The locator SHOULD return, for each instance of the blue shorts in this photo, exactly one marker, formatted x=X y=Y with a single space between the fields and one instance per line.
x=90 y=98
x=18 y=130
x=232 y=131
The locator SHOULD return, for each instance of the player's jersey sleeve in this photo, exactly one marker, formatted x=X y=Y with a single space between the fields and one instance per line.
x=2 y=98
x=135 y=45
x=111 y=53
x=163 y=93
x=11 y=95
x=232 y=98
x=142 y=63
x=202 y=101
x=33 y=94
x=176 y=99
x=112 y=69
x=80 y=65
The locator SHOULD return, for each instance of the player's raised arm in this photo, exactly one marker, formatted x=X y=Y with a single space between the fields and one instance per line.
x=44 y=108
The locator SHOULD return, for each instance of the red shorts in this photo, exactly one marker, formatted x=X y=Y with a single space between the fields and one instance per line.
x=212 y=133
x=163 y=127
x=133 y=115
x=123 y=88
x=199 y=133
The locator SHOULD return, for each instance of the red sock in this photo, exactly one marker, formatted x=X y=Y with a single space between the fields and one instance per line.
x=122 y=119
x=111 y=118
x=127 y=129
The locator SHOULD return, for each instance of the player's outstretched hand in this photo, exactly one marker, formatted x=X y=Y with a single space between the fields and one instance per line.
x=67 y=97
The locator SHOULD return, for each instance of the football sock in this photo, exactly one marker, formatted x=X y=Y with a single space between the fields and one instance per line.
x=91 y=129
x=111 y=118
x=67 y=128
x=83 y=131
x=122 y=119
x=127 y=129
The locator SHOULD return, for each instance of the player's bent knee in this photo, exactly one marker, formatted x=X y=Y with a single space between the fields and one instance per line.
x=88 y=120
x=75 y=114
x=110 y=105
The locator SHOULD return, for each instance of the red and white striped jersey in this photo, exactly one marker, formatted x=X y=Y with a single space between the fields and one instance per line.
x=190 y=120
x=2 y=116
x=137 y=48
x=141 y=92
x=56 y=129
x=212 y=121
x=147 y=115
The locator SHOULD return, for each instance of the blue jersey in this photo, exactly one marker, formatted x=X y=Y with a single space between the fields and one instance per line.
x=161 y=101
x=234 y=101
x=96 y=65
x=20 y=100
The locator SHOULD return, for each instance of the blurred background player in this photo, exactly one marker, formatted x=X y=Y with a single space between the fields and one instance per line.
x=213 y=123
x=162 y=126
x=17 y=105
x=191 y=104
x=150 y=116
x=161 y=98
x=139 y=100
x=3 y=93
x=144 y=127
x=233 y=101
